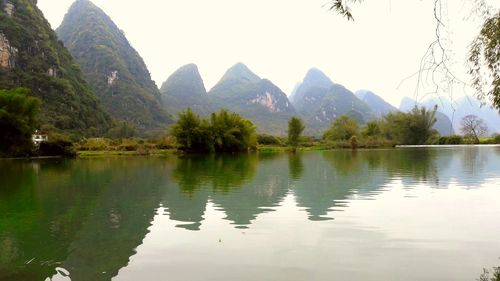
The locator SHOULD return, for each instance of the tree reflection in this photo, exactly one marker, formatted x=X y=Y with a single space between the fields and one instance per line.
x=295 y=165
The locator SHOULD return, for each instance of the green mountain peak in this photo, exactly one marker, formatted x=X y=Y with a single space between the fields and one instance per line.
x=112 y=66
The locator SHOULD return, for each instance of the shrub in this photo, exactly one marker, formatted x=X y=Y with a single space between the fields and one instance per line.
x=57 y=148
x=94 y=144
x=454 y=139
x=265 y=139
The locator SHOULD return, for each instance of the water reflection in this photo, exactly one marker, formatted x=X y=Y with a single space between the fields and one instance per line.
x=89 y=216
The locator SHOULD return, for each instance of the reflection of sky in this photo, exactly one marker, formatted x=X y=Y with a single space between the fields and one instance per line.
x=417 y=234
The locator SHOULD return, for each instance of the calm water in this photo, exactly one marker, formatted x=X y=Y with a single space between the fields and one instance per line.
x=403 y=214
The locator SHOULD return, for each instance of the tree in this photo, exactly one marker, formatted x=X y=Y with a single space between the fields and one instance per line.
x=18 y=113
x=295 y=129
x=225 y=132
x=473 y=127
x=122 y=129
x=231 y=132
x=191 y=133
x=414 y=127
x=484 y=52
x=484 y=60
x=343 y=128
x=372 y=129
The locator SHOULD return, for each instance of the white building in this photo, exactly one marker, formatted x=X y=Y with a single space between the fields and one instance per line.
x=39 y=137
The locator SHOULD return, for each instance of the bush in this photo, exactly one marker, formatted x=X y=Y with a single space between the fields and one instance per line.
x=94 y=144
x=454 y=139
x=129 y=145
x=56 y=148
x=163 y=143
x=265 y=139
x=496 y=139
x=223 y=132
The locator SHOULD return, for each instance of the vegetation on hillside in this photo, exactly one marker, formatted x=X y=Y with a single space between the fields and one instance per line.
x=40 y=62
x=18 y=113
x=112 y=66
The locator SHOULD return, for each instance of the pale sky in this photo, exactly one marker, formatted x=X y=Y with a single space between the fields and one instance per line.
x=281 y=39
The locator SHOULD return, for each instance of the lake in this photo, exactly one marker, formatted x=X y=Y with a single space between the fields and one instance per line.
x=395 y=214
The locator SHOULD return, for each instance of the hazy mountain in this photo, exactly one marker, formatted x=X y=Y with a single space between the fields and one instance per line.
x=32 y=57
x=470 y=105
x=320 y=101
x=457 y=109
x=183 y=89
x=112 y=66
x=376 y=103
x=242 y=91
x=443 y=123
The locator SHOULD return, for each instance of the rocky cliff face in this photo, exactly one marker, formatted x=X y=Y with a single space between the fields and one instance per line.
x=7 y=53
x=112 y=66
x=32 y=57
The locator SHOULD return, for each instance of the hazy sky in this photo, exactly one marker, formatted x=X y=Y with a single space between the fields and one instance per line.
x=281 y=39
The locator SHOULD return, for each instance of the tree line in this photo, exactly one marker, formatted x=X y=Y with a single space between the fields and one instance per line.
x=226 y=131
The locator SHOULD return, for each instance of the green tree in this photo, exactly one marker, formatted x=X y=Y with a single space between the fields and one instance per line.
x=343 y=128
x=414 y=127
x=484 y=61
x=122 y=130
x=191 y=132
x=372 y=129
x=225 y=132
x=231 y=132
x=295 y=129
x=18 y=113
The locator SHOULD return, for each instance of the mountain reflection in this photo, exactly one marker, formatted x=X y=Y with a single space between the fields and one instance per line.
x=89 y=216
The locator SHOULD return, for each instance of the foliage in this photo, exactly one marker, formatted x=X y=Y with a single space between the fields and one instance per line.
x=495 y=275
x=496 y=139
x=414 y=127
x=231 y=132
x=454 y=139
x=473 y=128
x=295 y=129
x=341 y=7
x=17 y=121
x=103 y=52
x=224 y=132
x=265 y=139
x=56 y=147
x=353 y=141
x=372 y=129
x=484 y=60
x=122 y=129
x=43 y=64
x=192 y=134
x=343 y=128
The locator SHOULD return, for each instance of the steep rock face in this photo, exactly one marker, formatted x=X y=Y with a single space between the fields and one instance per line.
x=112 y=66
x=185 y=88
x=32 y=57
x=376 y=103
x=242 y=91
x=7 y=53
x=321 y=101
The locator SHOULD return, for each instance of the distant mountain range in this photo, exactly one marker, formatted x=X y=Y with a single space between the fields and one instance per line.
x=112 y=82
